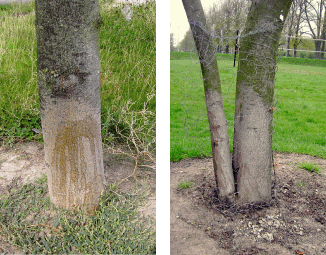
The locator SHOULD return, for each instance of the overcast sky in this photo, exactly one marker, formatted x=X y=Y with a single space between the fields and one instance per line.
x=178 y=19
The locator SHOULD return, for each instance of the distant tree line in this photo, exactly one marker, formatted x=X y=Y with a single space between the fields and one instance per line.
x=306 y=19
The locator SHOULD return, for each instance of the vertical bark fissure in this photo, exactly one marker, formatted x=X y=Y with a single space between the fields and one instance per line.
x=214 y=101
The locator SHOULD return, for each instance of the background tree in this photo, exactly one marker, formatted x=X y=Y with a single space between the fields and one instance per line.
x=315 y=17
x=294 y=26
x=323 y=35
x=68 y=66
x=252 y=155
x=172 y=47
x=225 y=19
x=187 y=43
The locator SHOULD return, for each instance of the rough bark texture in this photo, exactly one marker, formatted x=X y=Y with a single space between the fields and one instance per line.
x=214 y=101
x=69 y=93
x=252 y=155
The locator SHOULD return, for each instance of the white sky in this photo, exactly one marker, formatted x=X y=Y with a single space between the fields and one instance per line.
x=178 y=19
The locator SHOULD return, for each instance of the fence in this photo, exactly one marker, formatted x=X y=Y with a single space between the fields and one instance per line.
x=305 y=47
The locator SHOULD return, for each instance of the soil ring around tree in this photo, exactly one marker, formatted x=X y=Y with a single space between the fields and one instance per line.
x=295 y=222
x=26 y=160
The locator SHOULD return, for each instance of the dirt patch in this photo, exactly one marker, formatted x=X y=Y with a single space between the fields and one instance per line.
x=26 y=162
x=295 y=223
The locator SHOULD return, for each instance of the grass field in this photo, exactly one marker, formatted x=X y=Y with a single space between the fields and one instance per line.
x=299 y=121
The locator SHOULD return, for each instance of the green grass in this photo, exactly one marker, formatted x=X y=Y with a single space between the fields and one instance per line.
x=300 y=184
x=311 y=167
x=29 y=221
x=299 y=123
x=185 y=184
x=303 y=61
x=127 y=73
x=284 y=60
x=191 y=55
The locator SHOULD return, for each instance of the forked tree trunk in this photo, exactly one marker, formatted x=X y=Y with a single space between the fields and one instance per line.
x=68 y=66
x=252 y=155
x=214 y=102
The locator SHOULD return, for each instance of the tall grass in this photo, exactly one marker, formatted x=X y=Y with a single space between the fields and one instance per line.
x=299 y=117
x=127 y=73
x=18 y=89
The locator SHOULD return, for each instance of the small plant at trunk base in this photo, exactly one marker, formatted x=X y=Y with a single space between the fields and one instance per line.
x=185 y=184
x=301 y=184
x=29 y=221
x=311 y=167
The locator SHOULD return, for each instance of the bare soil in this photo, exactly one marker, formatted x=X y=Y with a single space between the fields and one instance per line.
x=26 y=160
x=294 y=223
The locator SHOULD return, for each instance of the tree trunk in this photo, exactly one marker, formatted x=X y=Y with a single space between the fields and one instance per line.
x=296 y=43
x=214 y=101
x=227 y=49
x=287 y=42
x=323 y=36
x=317 y=47
x=68 y=66
x=252 y=147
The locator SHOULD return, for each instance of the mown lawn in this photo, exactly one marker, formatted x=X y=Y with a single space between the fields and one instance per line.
x=299 y=121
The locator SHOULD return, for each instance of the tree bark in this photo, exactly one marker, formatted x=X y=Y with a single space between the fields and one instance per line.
x=317 y=47
x=68 y=66
x=252 y=147
x=323 y=36
x=214 y=102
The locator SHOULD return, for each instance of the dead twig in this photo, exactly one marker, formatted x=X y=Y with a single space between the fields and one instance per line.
x=43 y=225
